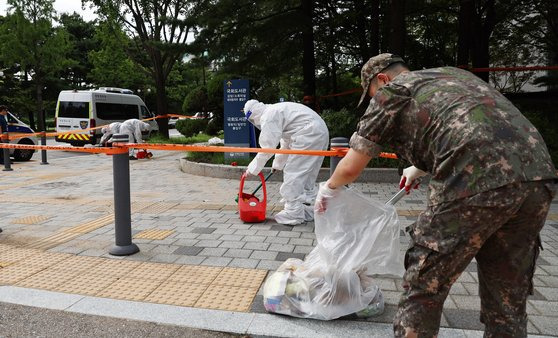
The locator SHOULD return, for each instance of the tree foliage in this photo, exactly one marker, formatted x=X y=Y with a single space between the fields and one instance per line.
x=29 y=41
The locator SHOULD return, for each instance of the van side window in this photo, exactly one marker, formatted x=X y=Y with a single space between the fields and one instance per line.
x=115 y=111
x=74 y=109
x=145 y=114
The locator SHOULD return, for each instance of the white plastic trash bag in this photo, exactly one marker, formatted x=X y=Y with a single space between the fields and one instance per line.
x=356 y=239
x=215 y=141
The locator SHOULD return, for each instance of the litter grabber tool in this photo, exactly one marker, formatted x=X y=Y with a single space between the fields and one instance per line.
x=399 y=195
x=250 y=208
x=259 y=186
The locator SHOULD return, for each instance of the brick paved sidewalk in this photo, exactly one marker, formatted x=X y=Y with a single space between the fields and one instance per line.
x=178 y=219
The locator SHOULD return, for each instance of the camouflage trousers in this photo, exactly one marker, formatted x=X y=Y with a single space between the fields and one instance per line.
x=500 y=229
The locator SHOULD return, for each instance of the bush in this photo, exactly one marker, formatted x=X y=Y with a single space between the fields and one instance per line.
x=340 y=123
x=191 y=127
x=214 y=126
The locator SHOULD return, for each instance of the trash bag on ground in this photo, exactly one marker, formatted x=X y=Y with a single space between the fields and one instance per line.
x=357 y=239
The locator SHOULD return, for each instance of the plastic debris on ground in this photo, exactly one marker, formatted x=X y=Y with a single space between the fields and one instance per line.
x=357 y=239
x=215 y=141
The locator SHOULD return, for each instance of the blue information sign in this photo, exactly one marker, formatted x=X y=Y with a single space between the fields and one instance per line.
x=237 y=128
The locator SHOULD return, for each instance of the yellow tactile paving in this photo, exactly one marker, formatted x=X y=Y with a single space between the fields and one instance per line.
x=16 y=272
x=30 y=220
x=16 y=254
x=195 y=274
x=155 y=271
x=114 y=268
x=130 y=289
x=53 y=240
x=92 y=225
x=177 y=293
x=78 y=263
x=45 y=259
x=247 y=278
x=138 y=206
x=48 y=279
x=4 y=247
x=208 y=206
x=86 y=284
x=105 y=208
x=228 y=298
x=154 y=234
x=187 y=206
x=230 y=289
x=157 y=208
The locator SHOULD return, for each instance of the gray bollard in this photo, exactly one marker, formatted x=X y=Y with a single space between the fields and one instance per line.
x=7 y=160
x=336 y=142
x=122 y=209
x=43 y=152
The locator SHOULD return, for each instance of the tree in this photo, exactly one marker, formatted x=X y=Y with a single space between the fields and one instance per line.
x=80 y=35
x=111 y=65
x=160 y=29
x=27 y=38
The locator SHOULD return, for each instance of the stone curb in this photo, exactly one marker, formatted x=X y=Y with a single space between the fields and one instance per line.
x=373 y=175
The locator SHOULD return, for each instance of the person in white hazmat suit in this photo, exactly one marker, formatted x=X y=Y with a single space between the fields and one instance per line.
x=293 y=126
x=134 y=127
x=108 y=131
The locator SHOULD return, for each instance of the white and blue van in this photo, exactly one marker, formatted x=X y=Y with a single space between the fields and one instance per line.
x=79 y=111
x=16 y=128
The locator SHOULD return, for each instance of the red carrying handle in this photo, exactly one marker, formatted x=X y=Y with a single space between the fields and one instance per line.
x=241 y=189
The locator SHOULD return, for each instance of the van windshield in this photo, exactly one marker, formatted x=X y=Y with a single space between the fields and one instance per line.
x=116 y=111
x=73 y=109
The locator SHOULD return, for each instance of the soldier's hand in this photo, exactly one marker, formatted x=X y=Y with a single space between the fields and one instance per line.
x=409 y=176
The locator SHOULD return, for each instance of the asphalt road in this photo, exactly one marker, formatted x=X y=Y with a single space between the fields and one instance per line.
x=27 y=321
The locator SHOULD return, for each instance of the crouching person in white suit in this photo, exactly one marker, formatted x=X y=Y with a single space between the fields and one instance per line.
x=294 y=126
x=134 y=127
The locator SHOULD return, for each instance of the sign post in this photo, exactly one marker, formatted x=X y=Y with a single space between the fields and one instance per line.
x=237 y=128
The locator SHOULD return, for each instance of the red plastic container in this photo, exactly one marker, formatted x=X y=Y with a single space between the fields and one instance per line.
x=144 y=154
x=250 y=208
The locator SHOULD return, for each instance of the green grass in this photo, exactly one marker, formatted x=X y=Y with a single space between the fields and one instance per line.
x=180 y=140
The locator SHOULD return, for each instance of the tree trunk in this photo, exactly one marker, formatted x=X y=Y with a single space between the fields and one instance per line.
x=374 y=27
x=308 y=58
x=162 y=104
x=398 y=30
x=361 y=20
x=481 y=39
x=466 y=10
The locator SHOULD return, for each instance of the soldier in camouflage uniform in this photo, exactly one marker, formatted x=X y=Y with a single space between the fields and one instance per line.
x=492 y=182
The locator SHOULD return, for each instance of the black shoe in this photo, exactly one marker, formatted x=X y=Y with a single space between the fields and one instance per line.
x=0 y=230
x=133 y=158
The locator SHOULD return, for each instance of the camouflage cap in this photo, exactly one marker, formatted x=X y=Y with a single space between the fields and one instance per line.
x=374 y=66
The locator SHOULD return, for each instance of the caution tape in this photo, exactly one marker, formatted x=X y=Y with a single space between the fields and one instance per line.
x=338 y=152
x=99 y=150
x=120 y=148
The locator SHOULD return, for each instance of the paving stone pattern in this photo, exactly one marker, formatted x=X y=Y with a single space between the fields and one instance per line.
x=199 y=213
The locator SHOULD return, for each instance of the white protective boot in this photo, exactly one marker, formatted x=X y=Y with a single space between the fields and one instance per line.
x=291 y=214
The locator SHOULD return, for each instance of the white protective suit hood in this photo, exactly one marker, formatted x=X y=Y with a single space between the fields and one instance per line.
x=254 y=110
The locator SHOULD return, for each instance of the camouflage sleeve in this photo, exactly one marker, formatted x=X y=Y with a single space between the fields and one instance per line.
x=380 y=123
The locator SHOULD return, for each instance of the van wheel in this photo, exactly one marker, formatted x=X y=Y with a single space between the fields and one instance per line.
x=24 y=154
